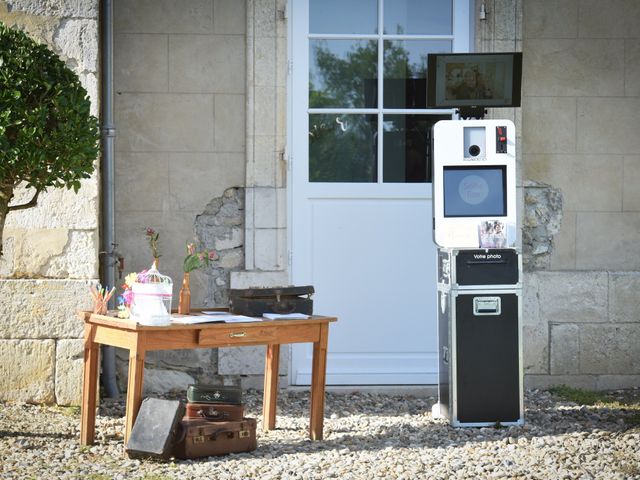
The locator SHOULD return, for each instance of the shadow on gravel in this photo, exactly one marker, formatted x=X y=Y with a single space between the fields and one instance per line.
x=16 y=434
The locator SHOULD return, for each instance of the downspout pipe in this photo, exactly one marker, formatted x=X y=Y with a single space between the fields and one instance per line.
x=108 y=253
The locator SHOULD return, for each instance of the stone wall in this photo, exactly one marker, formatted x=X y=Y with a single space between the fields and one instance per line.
x=51 y=251
x=581 y=108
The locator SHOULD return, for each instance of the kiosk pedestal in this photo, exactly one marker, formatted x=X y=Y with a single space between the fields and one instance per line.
x=480 y=337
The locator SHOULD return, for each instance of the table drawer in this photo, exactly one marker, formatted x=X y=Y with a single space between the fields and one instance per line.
x=258 y=335
x=236 y=336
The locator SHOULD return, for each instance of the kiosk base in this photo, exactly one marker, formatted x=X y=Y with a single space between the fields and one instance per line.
x=480 y=380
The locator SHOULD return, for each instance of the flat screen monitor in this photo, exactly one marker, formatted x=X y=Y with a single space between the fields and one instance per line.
x=459 y=80
x=475 y=191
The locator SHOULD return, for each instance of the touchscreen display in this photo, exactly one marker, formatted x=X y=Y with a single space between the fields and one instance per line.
x=475 y=191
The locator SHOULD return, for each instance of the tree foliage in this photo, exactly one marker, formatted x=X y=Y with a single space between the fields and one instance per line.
x=48 y=138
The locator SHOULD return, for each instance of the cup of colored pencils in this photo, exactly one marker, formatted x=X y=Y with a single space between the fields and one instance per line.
x=101 y=296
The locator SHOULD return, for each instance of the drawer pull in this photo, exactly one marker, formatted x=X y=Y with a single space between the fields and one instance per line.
x=238 y=334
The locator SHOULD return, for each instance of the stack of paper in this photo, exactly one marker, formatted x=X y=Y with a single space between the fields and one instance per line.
x=284 y=316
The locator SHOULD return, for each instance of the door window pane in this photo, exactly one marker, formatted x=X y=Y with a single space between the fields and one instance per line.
x=419 y=17
x=340 y=16
x=407 y=147
x=343 y=148
x=405 y=71
x=343 y=73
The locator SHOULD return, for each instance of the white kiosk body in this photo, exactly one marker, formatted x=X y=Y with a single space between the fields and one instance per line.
x=479 y=273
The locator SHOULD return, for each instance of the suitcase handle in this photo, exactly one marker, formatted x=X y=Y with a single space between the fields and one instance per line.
x=217 y=414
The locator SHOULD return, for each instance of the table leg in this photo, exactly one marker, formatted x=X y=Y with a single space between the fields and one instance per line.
x=271 y=367
x=134 y=387
x=318 y=379
x=89 y=387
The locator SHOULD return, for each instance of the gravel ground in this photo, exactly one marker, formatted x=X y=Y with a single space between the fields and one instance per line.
x=367 y=436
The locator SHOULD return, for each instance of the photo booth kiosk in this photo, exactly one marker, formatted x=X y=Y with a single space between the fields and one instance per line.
x=474 y=227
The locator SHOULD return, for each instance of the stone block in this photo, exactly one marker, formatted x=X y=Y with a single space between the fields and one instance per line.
x=249 y=279
x=264 y=19
x=623 y=297
x=548 y=133
x=608 y=241
x=58 y=8
x=573 y=297
x=564 y=357
x=266 y=209
x=194 y=178
x=89 y=81
x=141 y=182
x=79 y=258
x=266 y=249
x=264 y=113
x=207 y=63
x=614 y=382
x=141 y=63
x=610 y=349
x=563 y=256
x=27 y=370
x=281 y=198
x=164 y=16
x=248 y=360
x=530 y=302
x=264 y=62
x=46 y=308
x=229 y=123
x=544 y=382
x=550 y=19
x=632 y=68
x=78 y=40
x=229 y=17
x=618 y=20
x=257 y=382
x=569 y=67
x=69 y=371
x=630 y=190
x=535 y=346
x=264 y=161
x=58 y=208
x=504 y=25
x=588 y=182
x=608 y=125
x=155 y=122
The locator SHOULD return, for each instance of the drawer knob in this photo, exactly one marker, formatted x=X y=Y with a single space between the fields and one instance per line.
x=238 y=334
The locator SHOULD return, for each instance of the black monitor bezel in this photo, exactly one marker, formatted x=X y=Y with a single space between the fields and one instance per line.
x=501 y=168
x=434 y=77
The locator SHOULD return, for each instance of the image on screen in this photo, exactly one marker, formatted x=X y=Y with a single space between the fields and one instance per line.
x=475 y=191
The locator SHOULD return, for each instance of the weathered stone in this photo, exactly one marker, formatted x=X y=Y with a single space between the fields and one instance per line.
x=542 y=220
x=56 y=8
x=43 y=308
x=535 y=349
x=248 y=360
x=565 y=349
x=27 y=370
x=69 y=368
x=573 y=297
x=610 y=349
x=624 y=299
x=77 y=40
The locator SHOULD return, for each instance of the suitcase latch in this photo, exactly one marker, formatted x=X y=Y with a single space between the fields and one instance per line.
x=199 y=439
x=243 y=434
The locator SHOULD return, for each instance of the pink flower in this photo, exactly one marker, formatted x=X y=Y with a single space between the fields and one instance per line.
x=213 y=255
x=191 y=248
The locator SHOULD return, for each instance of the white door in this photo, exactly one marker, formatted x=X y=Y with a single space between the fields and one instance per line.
x=359 y=185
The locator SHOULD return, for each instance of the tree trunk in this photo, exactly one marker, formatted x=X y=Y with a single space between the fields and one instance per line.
x=6 y=194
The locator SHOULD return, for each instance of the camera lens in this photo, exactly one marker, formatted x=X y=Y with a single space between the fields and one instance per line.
x=474 y=150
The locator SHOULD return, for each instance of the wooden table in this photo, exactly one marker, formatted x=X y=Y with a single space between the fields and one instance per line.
x=139 y=339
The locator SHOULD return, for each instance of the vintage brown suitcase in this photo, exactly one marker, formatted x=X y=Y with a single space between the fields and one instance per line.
x=155 y=429
x=254 y=302
x=203 y=438
x=215 y=412
x=214 y=394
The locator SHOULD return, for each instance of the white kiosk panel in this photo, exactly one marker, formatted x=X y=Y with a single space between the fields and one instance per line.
x=474 y=184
